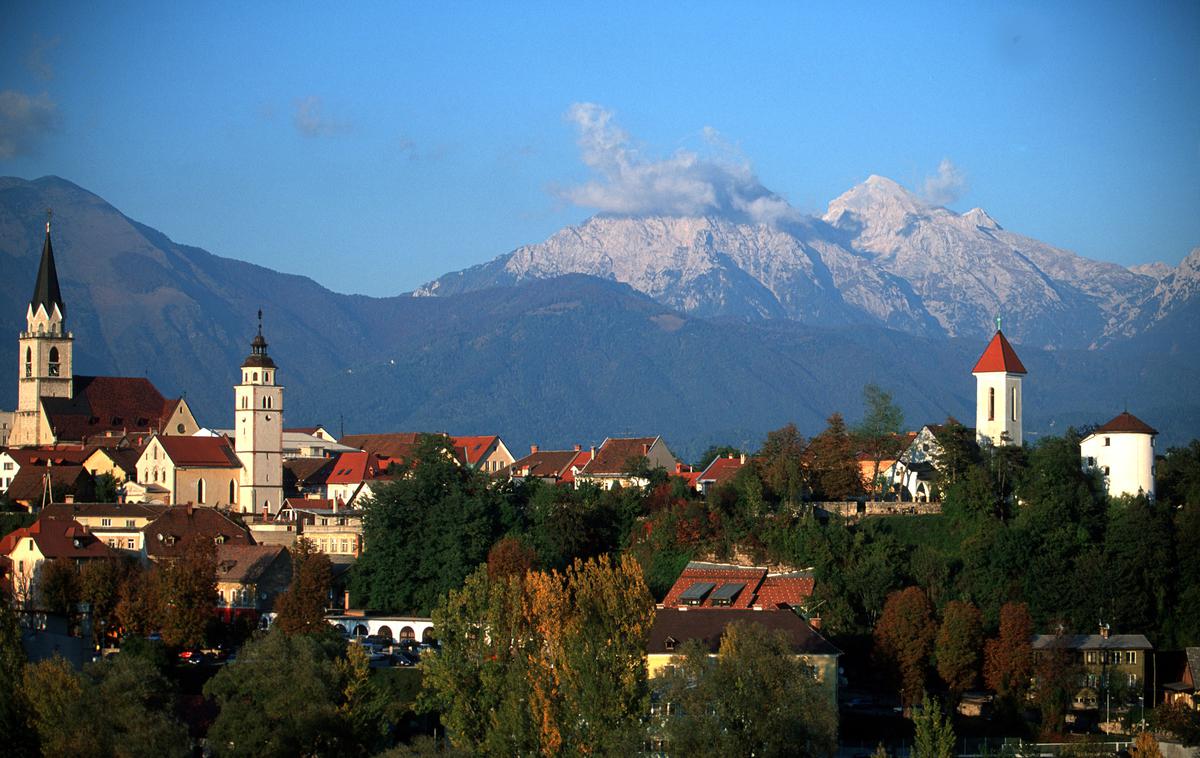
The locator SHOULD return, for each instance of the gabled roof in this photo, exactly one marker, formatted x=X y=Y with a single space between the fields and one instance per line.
x=471 y=450
x=356 y=467
x=307 y=472
x=762 y=589
x=200 y=452
x=56 y=455
x=708 y=626
x=29 y=484
x=614 y=455
x=107 y=404
x=104 y=510
x=545 y=464
x=45 y=290
x=999 y=356
x=124 y=458
x=1092 y=642
x=246 y=564
x=58 y=538
x=398 y=445
x=169 y=535
x=1126 y=423
x=722 y=469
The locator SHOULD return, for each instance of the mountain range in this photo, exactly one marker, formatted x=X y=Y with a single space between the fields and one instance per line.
x=704 y=330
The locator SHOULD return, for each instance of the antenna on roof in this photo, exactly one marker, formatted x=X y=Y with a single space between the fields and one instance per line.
x=997 y=322
x=260 y=320
x=49 y=213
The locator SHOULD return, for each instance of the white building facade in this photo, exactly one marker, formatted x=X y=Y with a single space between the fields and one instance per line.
x=998 y=400
x=258 y=431
x=1123 y=452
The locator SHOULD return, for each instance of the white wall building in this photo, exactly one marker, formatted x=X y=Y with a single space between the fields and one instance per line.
x=258 y=431
x=998 y=401
x=1123 y=452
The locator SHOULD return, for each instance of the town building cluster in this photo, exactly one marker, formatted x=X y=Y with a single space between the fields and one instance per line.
x=74 y=440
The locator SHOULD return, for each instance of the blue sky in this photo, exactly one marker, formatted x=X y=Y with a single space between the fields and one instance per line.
x=375 y=147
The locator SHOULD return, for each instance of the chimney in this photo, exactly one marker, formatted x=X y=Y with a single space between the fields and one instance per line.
x=577 y=448
x=593 y=454
x=533 y=449
x=678 y=467
x=68 y=498
x=1104 y=630
x=346 y=600
x=645 y=449
x=815 y=622
x=743 y=458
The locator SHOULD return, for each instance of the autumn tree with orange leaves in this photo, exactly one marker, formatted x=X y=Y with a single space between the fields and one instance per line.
x=1008 y=659
x=550 y=663
x=904 y=639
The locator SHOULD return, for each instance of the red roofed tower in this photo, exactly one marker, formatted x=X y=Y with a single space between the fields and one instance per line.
x=998 y=401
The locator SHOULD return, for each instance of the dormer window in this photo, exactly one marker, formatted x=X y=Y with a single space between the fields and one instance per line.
x=670 y=643
x=220 y=539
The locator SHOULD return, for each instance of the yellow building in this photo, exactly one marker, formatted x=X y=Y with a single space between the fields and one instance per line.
x=27 y=550
x=610 y=466
x=1108 y=662
x=198 y=470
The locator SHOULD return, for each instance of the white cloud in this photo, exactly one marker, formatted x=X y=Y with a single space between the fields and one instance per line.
x=312 y=121
x=684 y=183
x=38 y=60
x=24 y=120
x=947 y=185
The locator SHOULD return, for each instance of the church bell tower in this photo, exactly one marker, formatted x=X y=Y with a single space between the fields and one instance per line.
x=258 y=435
x=998 y=401
x=45 y=355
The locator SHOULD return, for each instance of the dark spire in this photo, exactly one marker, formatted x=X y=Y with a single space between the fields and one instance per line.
x=46 y=292
x=258 y=357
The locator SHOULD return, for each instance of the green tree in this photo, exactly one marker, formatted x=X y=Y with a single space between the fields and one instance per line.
x=301 y=607
x=106 y=489
x=933 y=731
x=188 y=587
x=904 y=639
x=139 y=608
x=281 y=698
x=958 y=453
x=757 y=698
x=959 y=646
x=100 y=587
x=781 y=464
x=878 y=434
x=58 y=585
x=1140 y=557
x=425 y=532
x=14 y=705
x=833 y=466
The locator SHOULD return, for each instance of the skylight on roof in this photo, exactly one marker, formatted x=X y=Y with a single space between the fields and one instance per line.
x=695 y=594
x=727 y=593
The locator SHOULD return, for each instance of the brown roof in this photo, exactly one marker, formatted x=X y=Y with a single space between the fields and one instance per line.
x=708 y=625
x=1128 y=423
x=200 y=452
x=58 y=455
x=245 y=564
x=29 y=484
x=398 y=445
x=614 y=455
x=169 y=535
x=545 y=464
x=58 y=538
x=107 y=404
x=105 y=510
x=124 y=458
x=307 y=472
x=723 y=469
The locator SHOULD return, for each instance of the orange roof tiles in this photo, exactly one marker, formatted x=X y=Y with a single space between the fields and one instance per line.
x=1126 y=422
x=999 y=356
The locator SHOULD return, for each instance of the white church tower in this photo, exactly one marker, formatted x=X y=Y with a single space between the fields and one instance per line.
x=998 y=401
x=45 y=354
x=258 y=435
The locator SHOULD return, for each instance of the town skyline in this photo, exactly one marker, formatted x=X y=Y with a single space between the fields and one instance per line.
x=389 y=141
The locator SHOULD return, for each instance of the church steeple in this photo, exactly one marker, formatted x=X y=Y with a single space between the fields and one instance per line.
x=46 y=293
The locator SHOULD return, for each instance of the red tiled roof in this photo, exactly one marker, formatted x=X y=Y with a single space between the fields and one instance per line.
x=614 y=455
x=708 y=625
x=999 y=356
x=546 y=464
x=470 y=450
x=355 y=467
x=1126 y=422
x=398 y=445
x=57 y=455
x=200 y=452
x=722 y=470
x=761 y=589
x=106 y=404
x=58 y=538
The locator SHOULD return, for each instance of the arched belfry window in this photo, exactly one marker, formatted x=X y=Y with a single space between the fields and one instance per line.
x=200 y=491
x=255 y=376
x=28 y=361
x=267 y=377
x=52 y=368
x=991 y=403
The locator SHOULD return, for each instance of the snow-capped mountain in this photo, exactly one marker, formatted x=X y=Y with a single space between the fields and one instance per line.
x=880 y=254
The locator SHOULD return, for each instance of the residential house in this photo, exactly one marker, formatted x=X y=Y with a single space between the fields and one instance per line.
x=484 y=453
x=675 y=626
x=395 y=446
x=312 y=431
x=354 y=476
x=49 y=538
x=168 y=536
x=612 y=464
x=1123 y=452
x=722 y=470
x=35 y=486
x=307 y=477
x=249 y=578
x=311 y=442
x=1181 y=672
x=13 y=459
x=335 y=530
x=118 y=525
x=551 y=466
x=733 y=586
x=199 y=470
x=1120 y=659
x=118 y=462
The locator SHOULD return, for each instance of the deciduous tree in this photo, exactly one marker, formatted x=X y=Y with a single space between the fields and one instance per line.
x=510 y=556
x=781 y=463
x=904 y=639
x=100 y=587
x=188 y=587
x=959 y=646
x=1008 y=659
x=833 y=466
x=878 y=434
x=301 y=607
x=58 y=585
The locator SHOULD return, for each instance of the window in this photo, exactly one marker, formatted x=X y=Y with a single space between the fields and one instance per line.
x=112 y=542
x=245 y=403
x=1106 y=470
x=130 y=544
x=267 y=377
x=28 y=362
x=1107 y=441
x=105 y=522
x=991 y=403
x=1014 y=403
x=200 y=491
x=8 y=466
x=130 y=523
x=256 y=376
x=232 y=492
x=345 y=548
x=52 y=369
x=1131 y=656
x=1091 y=656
